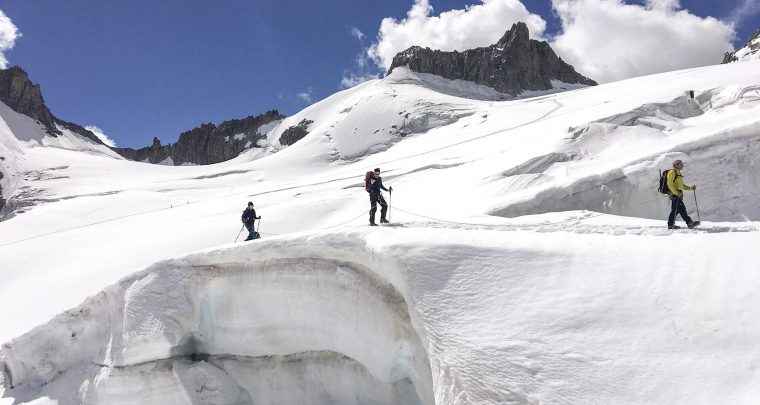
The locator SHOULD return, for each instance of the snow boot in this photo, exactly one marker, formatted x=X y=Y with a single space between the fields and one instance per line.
x=384 y=221
x=693 y=224
x=674 y=227
x=372 y=224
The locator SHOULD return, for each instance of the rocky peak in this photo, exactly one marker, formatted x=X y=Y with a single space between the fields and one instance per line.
x=514 y=64
x=23 y=96
x=207 y=143
x=750 y=50
x=517 y=35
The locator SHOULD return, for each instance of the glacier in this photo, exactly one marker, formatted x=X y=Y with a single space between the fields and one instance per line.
x=527 y=260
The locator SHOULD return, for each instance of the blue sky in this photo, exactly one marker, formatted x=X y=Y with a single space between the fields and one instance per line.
x=144 y=68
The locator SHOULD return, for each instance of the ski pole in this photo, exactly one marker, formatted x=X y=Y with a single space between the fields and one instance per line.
x=258 y=226
x=241 y=231
x=697 y=205
x=390 y=204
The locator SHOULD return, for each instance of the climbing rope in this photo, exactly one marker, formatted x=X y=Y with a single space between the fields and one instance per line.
x=544 y=223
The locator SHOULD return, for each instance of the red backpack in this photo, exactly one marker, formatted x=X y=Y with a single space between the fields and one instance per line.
x=367 y=177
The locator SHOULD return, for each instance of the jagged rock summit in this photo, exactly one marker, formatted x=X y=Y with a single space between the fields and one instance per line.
x=514 y=64
x=750 y=50
x=205 y=144
x=208 y=143
x=25 y=97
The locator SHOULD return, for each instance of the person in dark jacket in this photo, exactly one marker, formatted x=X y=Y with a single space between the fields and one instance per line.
x=248 y=218
x=676 y=187
x=373 y=186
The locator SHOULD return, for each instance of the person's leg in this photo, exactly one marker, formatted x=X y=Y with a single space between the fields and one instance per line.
x=373 y=208
x=383 y=208
x=249 y=228
x=674 y=201
x=683 y=213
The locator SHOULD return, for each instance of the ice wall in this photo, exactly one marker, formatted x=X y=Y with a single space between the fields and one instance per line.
x=248 y=329
x=605 y=167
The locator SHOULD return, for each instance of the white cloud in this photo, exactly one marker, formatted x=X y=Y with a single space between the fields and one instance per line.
x=356 y=33
x=101 y=135
x=609 y=40
x=8 y=35
x=363 y=69
x=662 y=4
x=351 y=79
x=474 y=26
x=306 y=95
x=745 y=9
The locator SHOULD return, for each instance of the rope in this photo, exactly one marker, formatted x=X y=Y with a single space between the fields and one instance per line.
x=364 y=212
x=323 y=228
x=547 y=223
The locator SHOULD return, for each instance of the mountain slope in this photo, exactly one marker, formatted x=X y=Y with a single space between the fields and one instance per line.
x=21 y=185
x=750 y=50
x=505 y=278
x=25 y=97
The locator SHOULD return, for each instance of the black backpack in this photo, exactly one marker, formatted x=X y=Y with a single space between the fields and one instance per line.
x=663 y=188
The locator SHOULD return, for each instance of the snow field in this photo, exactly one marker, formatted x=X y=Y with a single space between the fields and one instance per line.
x=498 y=317
x=512 y=290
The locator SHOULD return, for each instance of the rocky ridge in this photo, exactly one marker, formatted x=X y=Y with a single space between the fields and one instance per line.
x=25 y=97
x=750 y=50
x=514 y=64
x=207 y=143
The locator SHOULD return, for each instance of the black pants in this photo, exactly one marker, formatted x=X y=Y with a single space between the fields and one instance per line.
x=677 y=207
x=375 y=199
x=249 y=228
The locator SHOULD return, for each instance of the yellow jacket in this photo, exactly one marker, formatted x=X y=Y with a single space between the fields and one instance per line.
x=675 y=182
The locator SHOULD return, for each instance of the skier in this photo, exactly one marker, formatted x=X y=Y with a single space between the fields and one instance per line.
x=248 y=218
x=373 y=185
x=676 y=187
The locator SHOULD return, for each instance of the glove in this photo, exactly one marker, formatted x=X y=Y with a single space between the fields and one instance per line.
x=390 y=189
x=680 y=193
x=694 y=187
x=259 y=217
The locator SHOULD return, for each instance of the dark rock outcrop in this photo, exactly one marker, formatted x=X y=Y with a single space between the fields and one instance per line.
x=514 y=64
x=155 y=153
x=295 y=133
x=751 y=47
x=207 y=143
x=25 y=97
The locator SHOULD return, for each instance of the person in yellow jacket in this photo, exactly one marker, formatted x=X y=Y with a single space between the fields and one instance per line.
x=676 y=187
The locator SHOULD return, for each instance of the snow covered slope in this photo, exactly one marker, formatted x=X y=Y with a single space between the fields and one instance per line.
x=750 y=50
x=529 y=262
x=20 y=138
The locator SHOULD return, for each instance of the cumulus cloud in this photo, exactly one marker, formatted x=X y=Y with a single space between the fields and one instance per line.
x=474 y=26
x=101 y=135
x=8 y=35
x=305 y=96
x=609 y=40
x=606 y=40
